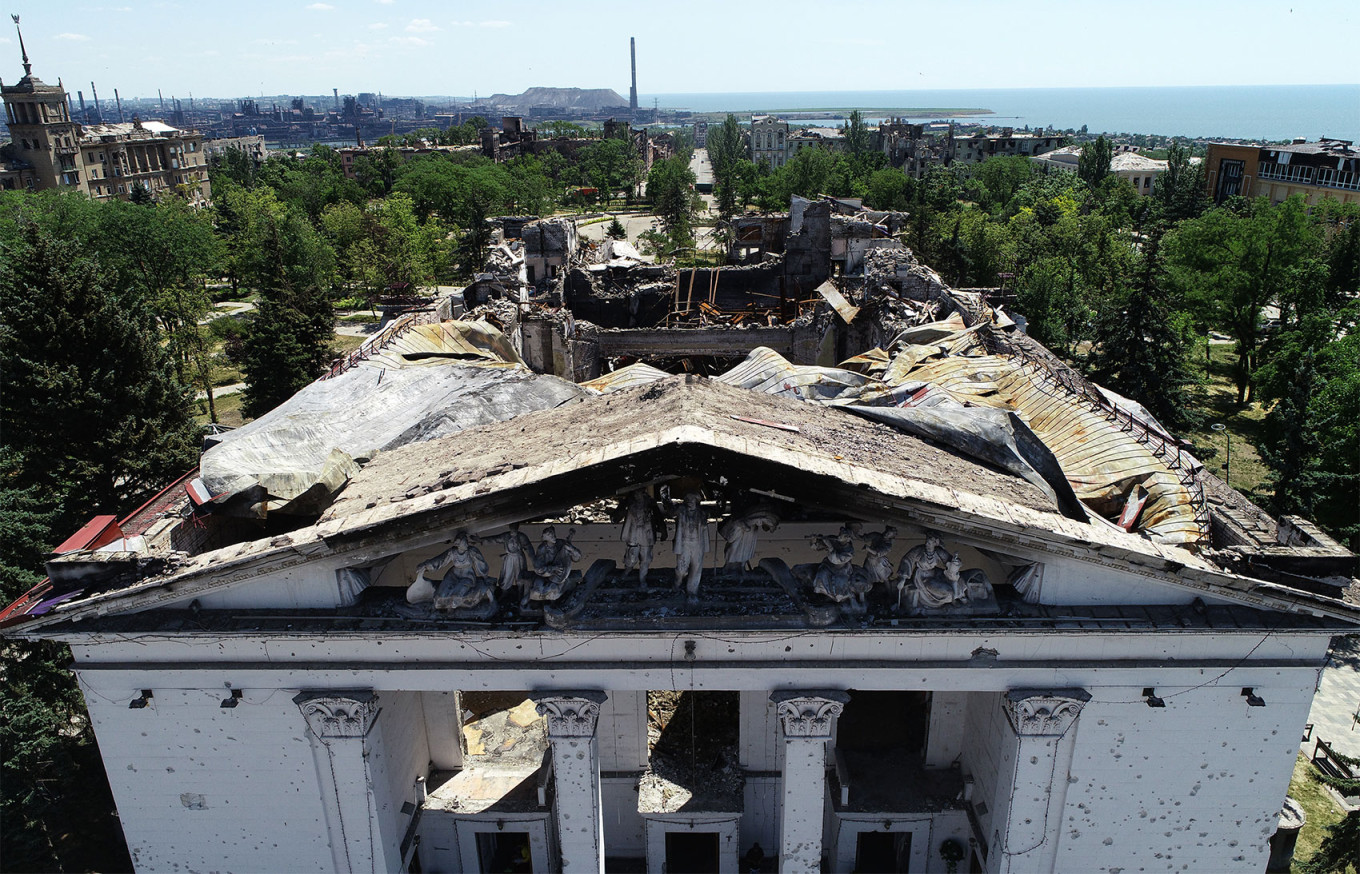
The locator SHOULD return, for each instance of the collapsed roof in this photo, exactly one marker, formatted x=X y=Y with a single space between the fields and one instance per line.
x=886 y=377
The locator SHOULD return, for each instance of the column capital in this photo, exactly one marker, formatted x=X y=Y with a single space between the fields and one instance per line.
x=338 y=713
x=570 y=714
x=1043 y=712
x=810 y=714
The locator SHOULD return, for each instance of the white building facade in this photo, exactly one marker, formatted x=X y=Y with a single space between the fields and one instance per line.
x=1004 y=688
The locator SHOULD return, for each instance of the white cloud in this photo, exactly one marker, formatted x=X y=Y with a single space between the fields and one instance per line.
x=421 y=25
x=75 y=37
x=496 y=23
x=409 y=41
x=377 y=25
x=320 y=7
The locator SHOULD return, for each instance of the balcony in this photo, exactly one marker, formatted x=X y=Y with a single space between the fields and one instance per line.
x=1338 y=179
x=1286 y=173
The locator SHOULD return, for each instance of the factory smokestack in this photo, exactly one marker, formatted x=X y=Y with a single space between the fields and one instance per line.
x=118 y=100
x=632 y=92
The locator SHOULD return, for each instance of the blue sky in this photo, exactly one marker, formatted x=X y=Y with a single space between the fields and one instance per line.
x=424 y=47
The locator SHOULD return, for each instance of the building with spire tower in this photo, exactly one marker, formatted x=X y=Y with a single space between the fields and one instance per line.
x=47 y=149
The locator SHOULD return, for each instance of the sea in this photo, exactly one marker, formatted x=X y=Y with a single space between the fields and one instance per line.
x=1246 y=112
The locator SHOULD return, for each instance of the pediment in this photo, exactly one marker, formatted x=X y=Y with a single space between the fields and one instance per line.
x=816 y=468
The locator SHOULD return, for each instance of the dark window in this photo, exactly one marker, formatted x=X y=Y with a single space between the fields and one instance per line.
x=692 y=852
x=504 y=851
x=1229 y=180
x=882 y=852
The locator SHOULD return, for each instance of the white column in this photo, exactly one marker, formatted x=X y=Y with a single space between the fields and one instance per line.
x=808 y=720
x=944 y=740
x=572 y=718
x=338 y=723
x=1044 y=723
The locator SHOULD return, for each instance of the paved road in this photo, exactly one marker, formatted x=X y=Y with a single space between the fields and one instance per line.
x=702 y=169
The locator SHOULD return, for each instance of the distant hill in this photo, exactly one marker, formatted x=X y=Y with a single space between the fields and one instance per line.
x=589 y=99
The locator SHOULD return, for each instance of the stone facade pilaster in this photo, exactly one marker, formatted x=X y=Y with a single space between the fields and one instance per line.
x=808 y=721
x=572 y=719
x=1044 y=726
x=338 y=722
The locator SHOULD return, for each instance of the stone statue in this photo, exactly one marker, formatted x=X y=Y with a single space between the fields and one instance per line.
x=552 y=568
x=919 y=563
x=517 y=560
x=691 y=540
x=640 y=528
x=466 y=583
x=742 y=535
x=947 y=586
x=837 y=577
x=876 y=562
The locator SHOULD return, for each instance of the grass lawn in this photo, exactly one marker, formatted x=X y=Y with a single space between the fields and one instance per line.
x=343 y=343
x=1319 y=807
x=1243 y=423
x=228 y=410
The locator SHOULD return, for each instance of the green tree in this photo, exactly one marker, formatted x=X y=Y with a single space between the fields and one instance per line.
x=288 y=343
x=726 y=150
x=1310 y=439
x=1000 y=179
x=1340 y=849
x=858 y=137
x=670 y=187
x=1141 y=350
x=1179 y=192
x=1094 y=164
x=1230 y=265
x=92 y=404
x=889 y=189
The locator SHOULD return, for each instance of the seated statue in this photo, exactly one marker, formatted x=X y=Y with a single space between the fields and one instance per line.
x=466 y=583
x=918 y=564
x=837 y=577
x=552 y=568
x=948 y=586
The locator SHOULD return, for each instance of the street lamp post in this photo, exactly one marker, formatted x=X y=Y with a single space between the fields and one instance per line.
x=1227 y=461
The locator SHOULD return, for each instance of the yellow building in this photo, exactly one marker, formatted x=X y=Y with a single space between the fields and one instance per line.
x=48 y=150
x=1326 y=168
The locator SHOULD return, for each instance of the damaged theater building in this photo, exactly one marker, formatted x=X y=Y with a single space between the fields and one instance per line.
x=806 y=562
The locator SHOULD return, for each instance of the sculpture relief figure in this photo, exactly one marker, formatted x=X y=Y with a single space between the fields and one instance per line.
x=837 y=577
x=946 y=585
x=691 y=540
x=877 y=564
x=552 y=568
x=639 y=533
x=742 y=534
x=919 y=563
x=466 y=583
x=517 y=559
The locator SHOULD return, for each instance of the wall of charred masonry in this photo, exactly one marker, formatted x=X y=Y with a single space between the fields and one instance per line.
x=643 y=296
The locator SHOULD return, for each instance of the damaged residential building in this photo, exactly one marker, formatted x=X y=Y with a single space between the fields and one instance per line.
x=808 y=562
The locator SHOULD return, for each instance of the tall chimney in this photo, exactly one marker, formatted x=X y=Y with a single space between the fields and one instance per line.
x=98 y=111
x=84 y=116
x=118 y=100
x=161 y=98
x=632 y=91
x=336 y=93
